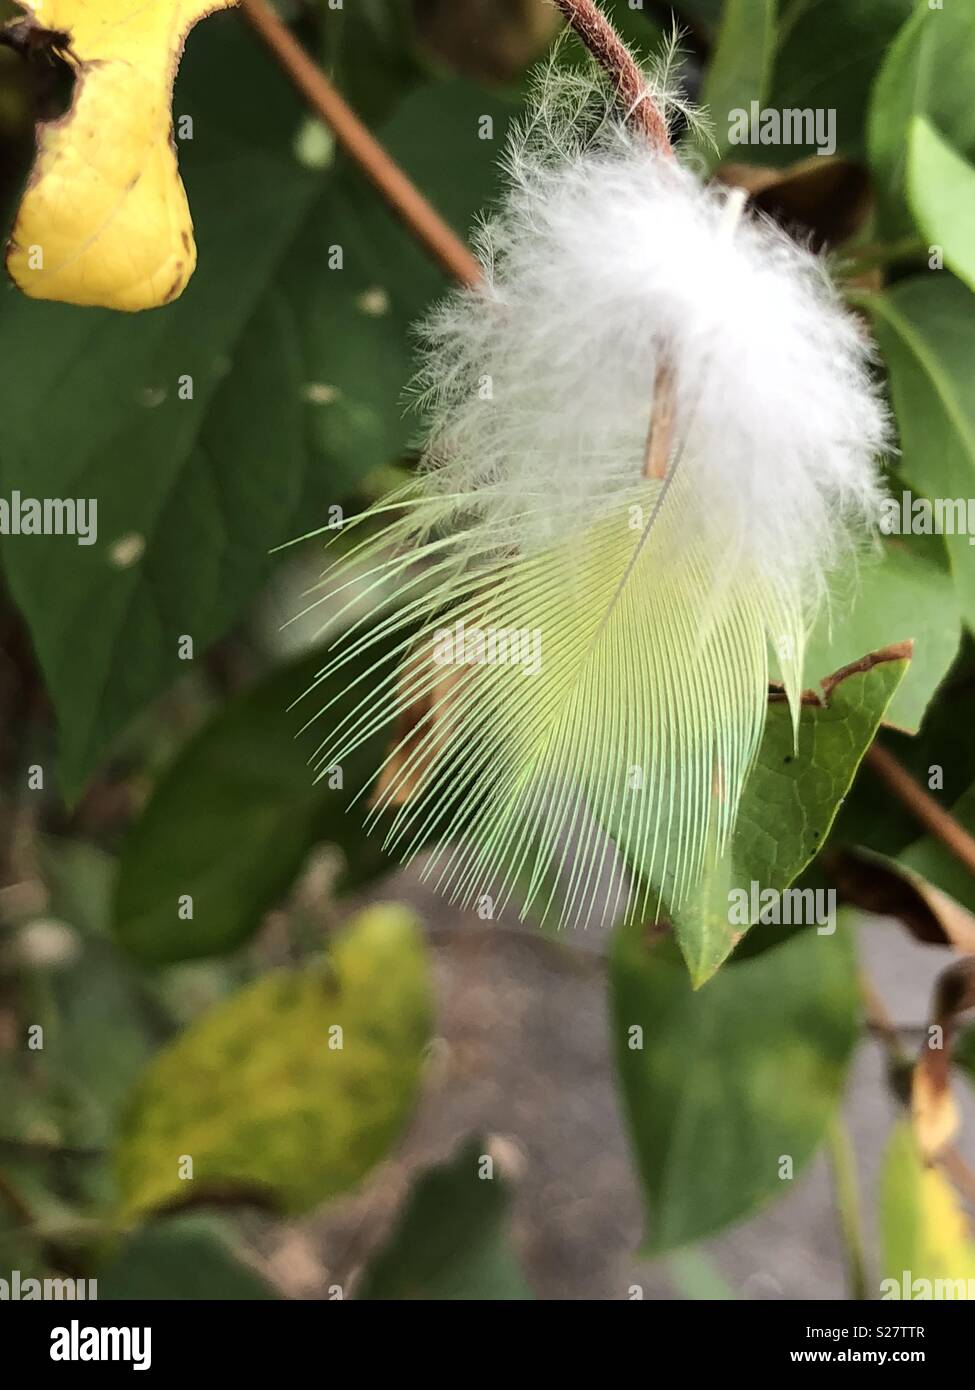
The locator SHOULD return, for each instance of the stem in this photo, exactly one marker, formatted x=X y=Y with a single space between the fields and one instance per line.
x=923 y=807
x=958 y=1170
x=843 y=1165
x=613 y=56
x=402 y=195
x=900 y=1069
x=660 y=433
x=882 y=253
x=426 y=224
x=606 y=47
x=883 y=1026
x=656 y=459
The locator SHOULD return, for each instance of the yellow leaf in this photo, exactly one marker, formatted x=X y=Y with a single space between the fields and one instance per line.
x=933 y=1108
x=928 y=1251
x=104 y=218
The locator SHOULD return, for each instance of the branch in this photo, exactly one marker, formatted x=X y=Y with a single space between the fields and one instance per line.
x=923 y=807
x=846 y=1193
x=613 y=56
x=360 y=145
x=402 y=195
x=900 y=1071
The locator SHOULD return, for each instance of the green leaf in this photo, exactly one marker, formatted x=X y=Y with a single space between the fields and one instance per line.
x=930 y=857
x=637 y=26
x=370 y=48
x=903 y=598
x=929 y=71
x=729 y=1082
x=356 y=283
x=829 y=53
x=100 y=1021
x=100 y=1033
x=191 y=493
x=926 y=329
x=267 y=1098
x=449 y=1243
x=696 y=1276
x=233 y=819
x=293 y=362
x=741 y=65
x=941 y=190
x=882 y=823
x=707 y=12
x=787 y=808
x=189 y=1257
x=926 y=1242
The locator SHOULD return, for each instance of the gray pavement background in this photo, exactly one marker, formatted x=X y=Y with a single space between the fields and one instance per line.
x=522 y=1057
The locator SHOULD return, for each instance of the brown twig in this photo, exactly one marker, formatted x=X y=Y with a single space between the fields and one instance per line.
x=402 y=195
x=881 y=1024
x=359 y=144
x=613 y=56
x=923 y=807
x=660 y=433
x=958 y=1170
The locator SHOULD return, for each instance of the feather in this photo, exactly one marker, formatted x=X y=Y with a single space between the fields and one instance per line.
x=652 y=438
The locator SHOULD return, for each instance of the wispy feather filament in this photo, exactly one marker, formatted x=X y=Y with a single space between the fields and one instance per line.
x=658 y=598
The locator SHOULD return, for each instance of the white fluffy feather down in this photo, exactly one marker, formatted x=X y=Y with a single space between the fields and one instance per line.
x=604 y=255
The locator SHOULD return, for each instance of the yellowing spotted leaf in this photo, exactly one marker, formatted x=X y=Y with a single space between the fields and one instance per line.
x=104 y=218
